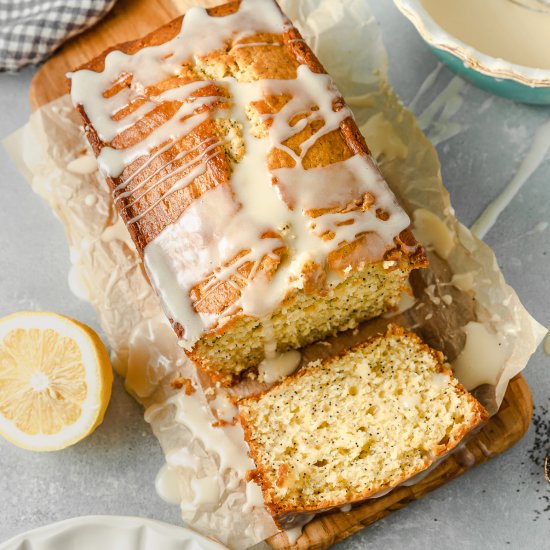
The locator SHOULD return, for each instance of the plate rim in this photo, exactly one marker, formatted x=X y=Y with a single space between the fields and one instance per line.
x=99 y=520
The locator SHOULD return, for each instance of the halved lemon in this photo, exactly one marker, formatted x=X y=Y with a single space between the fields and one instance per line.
x=55 y=380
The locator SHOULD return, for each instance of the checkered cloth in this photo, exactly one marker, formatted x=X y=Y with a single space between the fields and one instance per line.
x=30 y=30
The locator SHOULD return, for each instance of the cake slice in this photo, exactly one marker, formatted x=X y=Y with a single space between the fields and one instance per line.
x=357 y=424
x=261 y=217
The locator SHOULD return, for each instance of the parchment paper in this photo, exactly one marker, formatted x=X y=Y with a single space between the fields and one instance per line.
x=463 y=285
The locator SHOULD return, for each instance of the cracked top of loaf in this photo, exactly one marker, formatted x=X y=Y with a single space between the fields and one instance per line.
x=236 y=165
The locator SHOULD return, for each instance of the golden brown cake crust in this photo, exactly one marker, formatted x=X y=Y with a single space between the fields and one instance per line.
x=280 y=511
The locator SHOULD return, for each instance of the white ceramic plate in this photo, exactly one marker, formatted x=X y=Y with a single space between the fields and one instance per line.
x=110 y=533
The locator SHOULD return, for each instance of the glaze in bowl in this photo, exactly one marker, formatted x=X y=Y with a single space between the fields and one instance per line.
x=509 y=56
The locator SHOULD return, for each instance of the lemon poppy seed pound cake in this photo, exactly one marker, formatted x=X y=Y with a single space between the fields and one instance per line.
x=262 y=220
x=356 y=425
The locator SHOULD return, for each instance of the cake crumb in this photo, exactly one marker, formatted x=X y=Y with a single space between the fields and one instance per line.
x=180 y=382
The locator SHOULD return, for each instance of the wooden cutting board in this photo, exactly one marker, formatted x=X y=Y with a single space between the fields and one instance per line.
x=133 y=18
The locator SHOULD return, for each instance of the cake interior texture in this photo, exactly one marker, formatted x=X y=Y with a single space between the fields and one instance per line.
x=357 y=424
x=304 y=319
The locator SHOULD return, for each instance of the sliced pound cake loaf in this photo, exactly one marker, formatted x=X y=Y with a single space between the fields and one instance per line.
x=262 y=219
x=358 y=424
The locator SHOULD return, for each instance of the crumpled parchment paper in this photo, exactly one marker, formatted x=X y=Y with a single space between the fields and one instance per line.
x=462 y=304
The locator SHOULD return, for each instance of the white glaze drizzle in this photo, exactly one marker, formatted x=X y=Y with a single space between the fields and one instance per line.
x=224 y=408
x=211 y=144
x=272 y=369
x=425 y=86
x=255 y=44
x=84 y=164
x=254 y=497
x=198 y=169
x=262 y=209
x=276 y=365
x=406 y=302
x=436 y=118
x=535 y=156
x=495 y=34
x=539 y=227
x=167 y=485
x=294 y=533
x=228 y=444
x=200 y=34
x=201 y=246
x=206 y=491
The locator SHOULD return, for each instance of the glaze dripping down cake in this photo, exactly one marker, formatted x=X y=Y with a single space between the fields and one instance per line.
x=356 y=425
x=245 y=184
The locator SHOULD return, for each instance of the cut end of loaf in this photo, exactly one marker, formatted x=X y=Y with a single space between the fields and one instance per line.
x=304 y=319
x=356 y=425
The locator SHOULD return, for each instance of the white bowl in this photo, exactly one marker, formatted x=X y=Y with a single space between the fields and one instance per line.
x=447 y=25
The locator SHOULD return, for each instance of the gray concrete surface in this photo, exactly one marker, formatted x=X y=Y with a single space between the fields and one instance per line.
x=499 y=505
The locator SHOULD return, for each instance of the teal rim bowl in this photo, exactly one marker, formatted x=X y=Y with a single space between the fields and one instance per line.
x=498 y=76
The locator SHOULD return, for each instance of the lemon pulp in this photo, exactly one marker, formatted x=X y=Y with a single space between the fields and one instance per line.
x=55 y=380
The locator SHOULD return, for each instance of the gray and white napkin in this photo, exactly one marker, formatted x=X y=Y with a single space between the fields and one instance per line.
x=31 y=30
